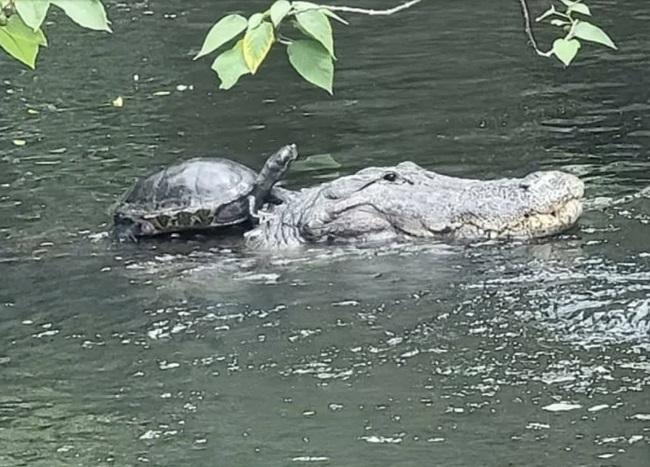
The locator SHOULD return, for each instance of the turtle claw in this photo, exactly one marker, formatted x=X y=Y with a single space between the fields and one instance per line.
x=263 y=216
x=258 y=214
x=131 y=232
x=126 y=235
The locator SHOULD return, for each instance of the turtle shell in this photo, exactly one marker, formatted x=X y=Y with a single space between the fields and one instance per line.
x=198 y=193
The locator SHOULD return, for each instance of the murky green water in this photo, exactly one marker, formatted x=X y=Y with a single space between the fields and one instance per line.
x=197 y=353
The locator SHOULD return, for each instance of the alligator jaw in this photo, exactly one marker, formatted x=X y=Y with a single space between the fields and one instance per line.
x=531 y=225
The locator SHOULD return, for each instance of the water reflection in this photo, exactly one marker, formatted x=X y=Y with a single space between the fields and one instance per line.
x=195 y=351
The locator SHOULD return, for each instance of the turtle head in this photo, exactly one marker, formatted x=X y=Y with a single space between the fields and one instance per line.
x=274 y=169
x=278 y=164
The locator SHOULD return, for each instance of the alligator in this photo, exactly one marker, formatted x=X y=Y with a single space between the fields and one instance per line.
x=407 y=202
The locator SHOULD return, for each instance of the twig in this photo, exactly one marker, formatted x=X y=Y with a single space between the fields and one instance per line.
x=390 y=11
x=528 y=27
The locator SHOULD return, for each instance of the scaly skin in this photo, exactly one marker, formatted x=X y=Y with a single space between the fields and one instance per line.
x=408 y=202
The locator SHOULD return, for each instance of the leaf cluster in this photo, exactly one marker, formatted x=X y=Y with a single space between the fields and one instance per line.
x=21 y=33
x=311 y=55
x=249 y=40
x=575 y=28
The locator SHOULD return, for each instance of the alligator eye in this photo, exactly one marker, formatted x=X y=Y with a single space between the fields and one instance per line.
x=390 y=176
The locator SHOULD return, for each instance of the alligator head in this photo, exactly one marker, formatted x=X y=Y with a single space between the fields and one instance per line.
x=407 y=201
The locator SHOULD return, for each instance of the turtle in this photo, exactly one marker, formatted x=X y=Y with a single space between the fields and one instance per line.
x=199 y=193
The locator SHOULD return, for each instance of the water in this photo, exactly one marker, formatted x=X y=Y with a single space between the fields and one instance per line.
x=198 y=353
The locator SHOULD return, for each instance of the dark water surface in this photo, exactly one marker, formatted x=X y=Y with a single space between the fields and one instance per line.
x=197 y=353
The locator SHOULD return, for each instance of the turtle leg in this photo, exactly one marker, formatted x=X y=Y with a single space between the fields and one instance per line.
x=132 y=231
x=257 y=214
x=126 y=233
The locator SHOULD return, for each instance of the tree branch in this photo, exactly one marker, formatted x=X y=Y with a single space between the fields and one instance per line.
x=364 y=11
x=528 y=27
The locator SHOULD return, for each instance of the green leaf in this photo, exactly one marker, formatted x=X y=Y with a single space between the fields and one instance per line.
x=19 y=29
x=559 y=22
x=569 y=3
x=316 y=162
x=566 y=50
x=579 y=8
x=20 y=41
x=255 y=20
x=230 y=66
x=590 y=32
x=279 y=10
x=316 y=24
x=32 y=12
x=256 y=45
x=226 y=29
x=313 y=62
x=86 y=13
x=331 y=14
x=301 y=6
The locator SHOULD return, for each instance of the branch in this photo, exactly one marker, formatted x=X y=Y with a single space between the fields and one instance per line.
x=390 y=11
x=528 y=27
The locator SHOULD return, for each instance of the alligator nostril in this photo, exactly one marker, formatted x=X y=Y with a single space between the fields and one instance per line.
x=524 y=187
x=554 y=214
x=526 y=216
